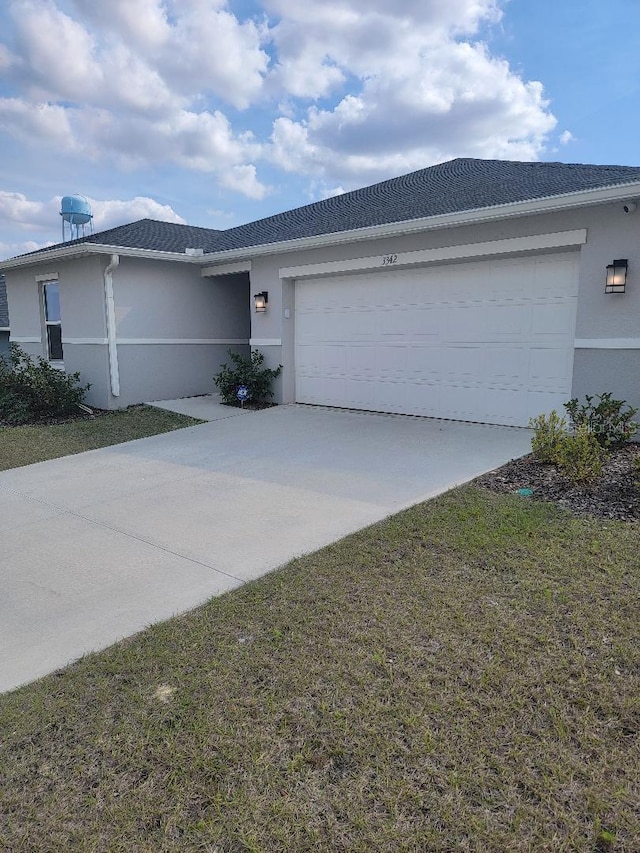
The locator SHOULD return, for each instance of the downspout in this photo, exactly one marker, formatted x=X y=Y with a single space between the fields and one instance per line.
x=114 y=372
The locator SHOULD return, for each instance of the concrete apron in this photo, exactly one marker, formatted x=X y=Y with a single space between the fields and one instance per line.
x=99 y=545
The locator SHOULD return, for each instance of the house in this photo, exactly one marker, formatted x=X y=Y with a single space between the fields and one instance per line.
x=4 y=318
x=471 y=290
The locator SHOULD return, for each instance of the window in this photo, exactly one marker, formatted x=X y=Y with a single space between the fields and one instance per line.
x=52 y=319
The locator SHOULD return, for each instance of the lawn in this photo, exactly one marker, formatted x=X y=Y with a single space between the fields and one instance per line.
x=27 y=444
x=462 y=676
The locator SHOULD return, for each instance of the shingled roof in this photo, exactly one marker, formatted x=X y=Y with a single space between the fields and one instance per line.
x=446 y=188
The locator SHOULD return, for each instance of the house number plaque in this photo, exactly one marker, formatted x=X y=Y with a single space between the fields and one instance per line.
x=387 y=260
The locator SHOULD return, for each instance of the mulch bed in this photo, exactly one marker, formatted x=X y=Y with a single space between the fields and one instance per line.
x=251 y=405
x=615 y=496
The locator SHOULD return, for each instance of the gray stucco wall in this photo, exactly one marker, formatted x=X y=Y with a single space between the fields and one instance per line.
x=82 y=313
x=160 y=307
x=81 y=300
x=173 y=326
x=178 y=370
x=614 y=370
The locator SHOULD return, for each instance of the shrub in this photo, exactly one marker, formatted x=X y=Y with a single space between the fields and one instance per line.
x=31 y=391
x=607 y=419
x=579 y=456
x=548 y=433
x=249 y=372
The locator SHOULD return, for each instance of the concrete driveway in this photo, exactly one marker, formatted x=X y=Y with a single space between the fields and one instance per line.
x=97 y=546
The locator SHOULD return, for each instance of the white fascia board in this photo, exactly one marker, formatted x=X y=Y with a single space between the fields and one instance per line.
x=84 y=249
x=227 y=269
x=512 y=245
x=549 y=204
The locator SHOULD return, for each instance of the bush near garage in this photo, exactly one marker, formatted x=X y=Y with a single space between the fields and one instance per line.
x=610 y=421
x=548 y=432
x=32 y=391
x=580 y=456
x=248 y=372
x=579 y=449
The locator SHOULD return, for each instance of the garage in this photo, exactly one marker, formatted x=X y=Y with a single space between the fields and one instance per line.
x=489 y=341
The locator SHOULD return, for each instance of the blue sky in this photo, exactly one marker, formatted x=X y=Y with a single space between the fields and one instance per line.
x=216 y=113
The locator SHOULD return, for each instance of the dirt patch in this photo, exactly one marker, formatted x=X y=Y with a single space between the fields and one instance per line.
x=616 y=495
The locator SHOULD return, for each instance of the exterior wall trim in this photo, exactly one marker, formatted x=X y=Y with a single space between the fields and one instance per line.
x=265 y=342
x=561 y=239
x=5 y=329
x=607 y=343
x=26 y=339
x=163 y=341
x=48 y=276
x=85 y=341
x=227 y=269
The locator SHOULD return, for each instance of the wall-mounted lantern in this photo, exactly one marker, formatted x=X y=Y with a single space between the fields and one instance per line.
x=260 y=301
x=616 y=276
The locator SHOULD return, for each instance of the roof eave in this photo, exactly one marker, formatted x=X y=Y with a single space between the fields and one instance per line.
x=548 y=204
x=85 y=249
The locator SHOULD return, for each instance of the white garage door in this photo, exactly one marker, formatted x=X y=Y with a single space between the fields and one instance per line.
x=490 y=341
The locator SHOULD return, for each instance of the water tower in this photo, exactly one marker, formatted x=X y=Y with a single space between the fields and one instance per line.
x=75 y=211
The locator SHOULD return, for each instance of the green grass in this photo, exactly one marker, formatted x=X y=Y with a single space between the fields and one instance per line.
x=462 y=676
x=27 y=444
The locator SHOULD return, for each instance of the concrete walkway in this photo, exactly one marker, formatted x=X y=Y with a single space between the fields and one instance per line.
x=206 y=407
x=99 y=545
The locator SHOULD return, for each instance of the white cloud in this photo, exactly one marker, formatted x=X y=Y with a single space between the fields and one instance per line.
x=19 y=213
x=110 y=213
x=11 y=250
x=17 y=210
x=352 y=91
x=125 y=83
x=331 y=192
x=566 y=136
x=33 y=123
x=424 y=93
x=144 y=21
x=244 y=179
x=193 y=46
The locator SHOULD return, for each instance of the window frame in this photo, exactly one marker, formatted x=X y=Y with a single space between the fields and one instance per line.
x=47 y=323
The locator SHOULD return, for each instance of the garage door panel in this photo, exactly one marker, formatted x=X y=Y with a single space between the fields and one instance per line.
x=553 y=319
x=361 y=361
x=550 y=369
x=504 y=366
x=392 y=362
x=487 y=323
x=488 y=341
x=555 y=275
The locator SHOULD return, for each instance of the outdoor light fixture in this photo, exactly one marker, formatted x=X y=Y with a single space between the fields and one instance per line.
x=616 y=276
x=261 y=299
